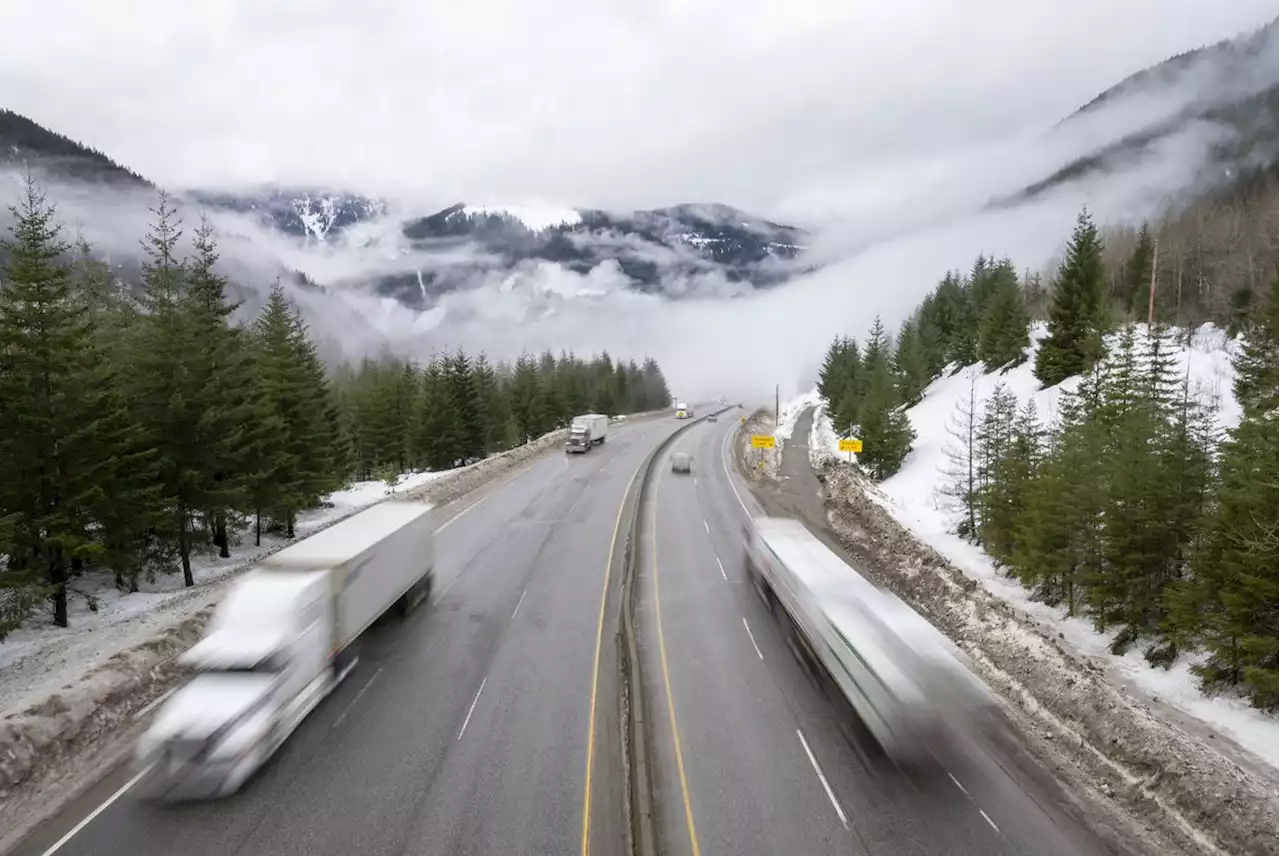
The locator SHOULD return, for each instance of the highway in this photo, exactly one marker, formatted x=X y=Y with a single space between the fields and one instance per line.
x=466 y=729
x=488 y=722
x=750 y=756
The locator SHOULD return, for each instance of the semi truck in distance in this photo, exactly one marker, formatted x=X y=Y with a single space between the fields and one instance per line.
x=279 y=642
x=906 y=683
x=683 y=410
x=586 y=431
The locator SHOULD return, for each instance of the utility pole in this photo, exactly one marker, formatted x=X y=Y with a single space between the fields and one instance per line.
x=776 y=409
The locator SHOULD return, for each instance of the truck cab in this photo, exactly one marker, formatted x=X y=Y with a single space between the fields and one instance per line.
x=258 y=672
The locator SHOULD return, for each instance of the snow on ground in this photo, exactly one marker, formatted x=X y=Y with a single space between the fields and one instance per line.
x=914 y=499
x=103 y=620
x=791 y=411
x=536 y=217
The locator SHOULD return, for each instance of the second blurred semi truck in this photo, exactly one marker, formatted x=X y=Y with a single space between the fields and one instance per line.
x=279 y=642
x=586 y=431
x=904 y=680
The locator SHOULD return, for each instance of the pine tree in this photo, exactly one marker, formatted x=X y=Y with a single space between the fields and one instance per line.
x=1255 y=381
x=1002 y=336
x=1136 y=284
x=217 y=369
x=1008 y=489
x=165 y=399
x=525 y=400
x=886 y=431
x=1076 y=318
x=439 y=424
x=52 y=444
x=492 y=405
x=466 y=402
x=909 y=364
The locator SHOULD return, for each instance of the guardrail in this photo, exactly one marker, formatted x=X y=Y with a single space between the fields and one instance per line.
x=639 y=790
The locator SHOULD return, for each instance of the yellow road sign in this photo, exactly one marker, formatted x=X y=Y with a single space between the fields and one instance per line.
x=762 y=441
x=851 y=445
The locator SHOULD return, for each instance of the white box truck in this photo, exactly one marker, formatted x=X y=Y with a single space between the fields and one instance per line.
x=586 y=431
x=283 y=637
x=904 y=680
x=683 y=410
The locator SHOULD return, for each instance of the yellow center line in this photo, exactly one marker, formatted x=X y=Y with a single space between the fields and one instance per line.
x=666 y=678
x=595 y=675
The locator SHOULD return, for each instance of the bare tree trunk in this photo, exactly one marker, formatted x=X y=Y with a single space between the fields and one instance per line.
x=1151 y=297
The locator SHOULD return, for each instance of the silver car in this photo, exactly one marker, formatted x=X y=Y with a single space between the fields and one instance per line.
x=681 y=462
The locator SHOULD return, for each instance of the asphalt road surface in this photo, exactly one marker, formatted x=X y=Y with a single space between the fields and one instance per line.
x=464 y=730
x=750 y=755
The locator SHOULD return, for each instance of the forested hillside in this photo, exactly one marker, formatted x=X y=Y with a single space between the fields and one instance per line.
x=142 y=428
x=1131 y=504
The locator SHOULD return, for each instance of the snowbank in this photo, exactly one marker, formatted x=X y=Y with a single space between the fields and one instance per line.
x=914 y=499
x=1112 y=746
x=791 y=410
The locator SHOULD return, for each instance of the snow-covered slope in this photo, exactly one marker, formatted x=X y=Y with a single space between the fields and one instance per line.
x=915 y=499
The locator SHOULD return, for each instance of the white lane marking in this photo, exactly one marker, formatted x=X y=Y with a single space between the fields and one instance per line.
x=826 y=787
x=342 y=716
x=988 y=820
x=960 y=786
x=706 y=525
x=57 y=845
x=449 y=522
x=520 y=601
x=752 y=637
x=724 y=460
x=721 y=564
x=471 y=709
x=152 y=705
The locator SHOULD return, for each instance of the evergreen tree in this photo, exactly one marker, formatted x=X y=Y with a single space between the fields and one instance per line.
x=1136 y=283
x=909 y=364
x=1255 y=381
x=466 y=402
x=1076 y=318
x=492 y=406
x=886 y=431
x=52 y=383
x=217 y=368
x=164 y=395
x=1002 y=336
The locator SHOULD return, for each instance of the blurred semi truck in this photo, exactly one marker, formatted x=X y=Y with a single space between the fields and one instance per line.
x=683 y=410
x=586 y=431
x=278 y=643
x=904 y=680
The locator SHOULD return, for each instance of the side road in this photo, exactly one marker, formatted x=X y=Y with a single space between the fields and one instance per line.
x=1127 y=773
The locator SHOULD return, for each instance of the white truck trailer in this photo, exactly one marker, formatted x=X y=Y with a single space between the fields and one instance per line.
x=904 y=680
x=684 y=410
x=283 y=637
x=585 y=431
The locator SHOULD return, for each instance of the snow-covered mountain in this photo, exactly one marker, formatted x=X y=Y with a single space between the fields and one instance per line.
x=678 y=251
x=310 y=214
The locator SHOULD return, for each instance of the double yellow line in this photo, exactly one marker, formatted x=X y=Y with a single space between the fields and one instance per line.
x=666 y=676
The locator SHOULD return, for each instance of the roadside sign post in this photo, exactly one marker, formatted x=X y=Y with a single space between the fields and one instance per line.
x=851 y=445
x=762 y=442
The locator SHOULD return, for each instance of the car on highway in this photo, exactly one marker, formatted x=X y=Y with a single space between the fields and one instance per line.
x=711 y=419
x=681 y=462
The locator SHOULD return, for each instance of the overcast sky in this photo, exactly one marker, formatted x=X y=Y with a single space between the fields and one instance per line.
x=577 y=102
